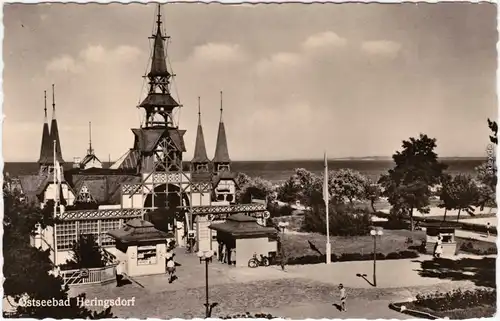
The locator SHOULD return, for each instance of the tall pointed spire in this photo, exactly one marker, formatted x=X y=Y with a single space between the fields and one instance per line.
x=45 y=149
x=54 y=130
x=90 y=151
x=221 y=159
x=159 y=102
x=200 y=152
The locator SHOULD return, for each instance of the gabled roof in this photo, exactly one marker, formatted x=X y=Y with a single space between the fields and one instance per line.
x=139 y=231
x=128 y=161
x=106 y=187
x=96 y=188
x=89 y=158
x=221 y=150
x=241 y=225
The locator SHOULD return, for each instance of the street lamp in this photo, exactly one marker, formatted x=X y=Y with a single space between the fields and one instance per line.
x=374 y=233
x=207 y=257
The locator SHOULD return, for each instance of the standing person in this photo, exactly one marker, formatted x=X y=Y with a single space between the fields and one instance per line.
x=219 y=248
x=438 y=250
x=224 y=253
x=488 y=229
x=119 y=273
x=233 y=256
x=343 y=297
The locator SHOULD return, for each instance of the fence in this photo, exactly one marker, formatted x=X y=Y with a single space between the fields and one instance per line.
x=89 y=276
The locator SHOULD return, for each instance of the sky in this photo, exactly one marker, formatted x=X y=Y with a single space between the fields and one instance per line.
x=350 y=79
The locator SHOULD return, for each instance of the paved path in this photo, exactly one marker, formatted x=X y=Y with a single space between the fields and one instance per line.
x=306 y=291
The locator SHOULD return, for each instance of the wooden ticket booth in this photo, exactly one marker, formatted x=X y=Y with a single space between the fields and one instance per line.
x=141 y=248
x=445 y=230
x=243 y=234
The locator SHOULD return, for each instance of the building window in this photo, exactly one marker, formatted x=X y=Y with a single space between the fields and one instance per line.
x=88 y=227
x=106 y=226
x=65 y=235
x=229 y=198
x=146 y=255
x=220 y=197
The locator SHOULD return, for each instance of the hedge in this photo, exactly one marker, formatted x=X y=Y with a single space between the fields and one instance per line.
x=348 y=257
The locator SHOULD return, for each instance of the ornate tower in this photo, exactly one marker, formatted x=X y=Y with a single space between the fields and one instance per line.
x=159 y=144
x=54 y=133
x=221 y=159
x=46 y=158
x=200 y=160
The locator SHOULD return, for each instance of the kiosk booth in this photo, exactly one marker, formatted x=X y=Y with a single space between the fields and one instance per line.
x=141 y=248
x=445 y=230
x=243 y=235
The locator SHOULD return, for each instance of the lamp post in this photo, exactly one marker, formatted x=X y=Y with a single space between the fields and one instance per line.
x=375 y=233
x=207 y=257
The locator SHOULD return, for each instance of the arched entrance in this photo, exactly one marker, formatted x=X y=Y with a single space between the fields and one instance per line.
x=166 y=203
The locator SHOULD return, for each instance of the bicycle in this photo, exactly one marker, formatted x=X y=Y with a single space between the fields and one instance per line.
x=255 y=262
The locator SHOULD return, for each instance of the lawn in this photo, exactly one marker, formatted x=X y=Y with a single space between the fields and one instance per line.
x=483 y=311
x=482 y=246
x=297 y=245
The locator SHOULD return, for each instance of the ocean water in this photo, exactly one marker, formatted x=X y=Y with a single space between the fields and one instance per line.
x=277 y=171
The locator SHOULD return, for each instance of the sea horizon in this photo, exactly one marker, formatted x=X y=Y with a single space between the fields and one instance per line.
x=280 y=170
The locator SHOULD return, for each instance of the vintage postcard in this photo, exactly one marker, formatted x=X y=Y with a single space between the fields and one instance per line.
x=194 y=160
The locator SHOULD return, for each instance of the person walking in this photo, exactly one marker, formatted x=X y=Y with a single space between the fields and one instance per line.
x=438 y=249
x=171 y=270
x=343 y=297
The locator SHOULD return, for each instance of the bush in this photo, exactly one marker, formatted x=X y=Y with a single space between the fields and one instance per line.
x=277 y=211
x=344 y=220
x=469 y=248
x=457 y=299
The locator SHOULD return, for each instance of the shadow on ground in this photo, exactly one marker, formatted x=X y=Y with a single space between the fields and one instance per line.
x=480 y=271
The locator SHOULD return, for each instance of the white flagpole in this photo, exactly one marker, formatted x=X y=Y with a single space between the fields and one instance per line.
x=326 y=197
x=55 y=184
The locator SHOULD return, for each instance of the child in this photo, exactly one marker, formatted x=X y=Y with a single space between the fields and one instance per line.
x=343 y=297
x=171 y=270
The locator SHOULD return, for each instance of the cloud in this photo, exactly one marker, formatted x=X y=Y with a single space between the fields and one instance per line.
x=381 y=48
x=63 y=63
x=92 y=54
x=218 y=52
x=327 y=39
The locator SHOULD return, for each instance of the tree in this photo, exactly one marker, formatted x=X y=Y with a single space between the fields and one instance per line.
x=464 y=194
x=26 y=268
x=86 y=253
x=372 y=192
x=494 y=128
x=347 y=184
x=256 y=188
x=303 y=186
x=407 y=185
x=446 y=195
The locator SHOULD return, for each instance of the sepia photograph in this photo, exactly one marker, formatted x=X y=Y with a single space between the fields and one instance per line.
x=207 y=160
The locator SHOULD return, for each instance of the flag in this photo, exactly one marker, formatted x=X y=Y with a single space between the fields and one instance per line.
x=58 y=173
x=326 y=194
